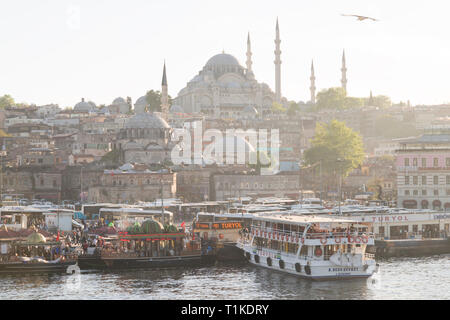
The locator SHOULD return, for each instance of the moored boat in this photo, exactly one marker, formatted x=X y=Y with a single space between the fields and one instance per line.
x=318 y=248
x=149 y=245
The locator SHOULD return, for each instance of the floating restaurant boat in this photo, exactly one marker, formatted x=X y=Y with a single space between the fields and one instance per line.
x=28 y=256
x=149 y=245
x=318 y=248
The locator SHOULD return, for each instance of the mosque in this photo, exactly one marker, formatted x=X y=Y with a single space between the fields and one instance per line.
x=224 y=88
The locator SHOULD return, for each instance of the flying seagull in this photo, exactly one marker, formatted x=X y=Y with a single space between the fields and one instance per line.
x=360 y=18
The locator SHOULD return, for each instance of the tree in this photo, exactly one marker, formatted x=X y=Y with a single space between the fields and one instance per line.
x=154 y=100
x=6 y=101
x=332 y=98
x=277 y=107
x=379 y=101
x=293 y=108
x=337 y=147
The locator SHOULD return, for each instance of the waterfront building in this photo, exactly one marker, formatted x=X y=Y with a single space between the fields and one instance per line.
x=423 y=170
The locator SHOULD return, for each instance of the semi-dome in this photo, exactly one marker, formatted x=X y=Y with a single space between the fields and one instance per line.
x=36 y=237
x=146 y=121
x=223 y=59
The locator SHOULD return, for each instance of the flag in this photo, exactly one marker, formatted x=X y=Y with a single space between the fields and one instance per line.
x=183 y=226
x=57 y=237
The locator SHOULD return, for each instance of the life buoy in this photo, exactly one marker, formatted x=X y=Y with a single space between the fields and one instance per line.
x=318 y=252
x=357 y=239
x=365 y=239
x=308 y=270
x=298 y=267
x=323 y=240
x=269 y=261
x=351 y=239
x=338 y=239
x=256 y=258
x=281 y=264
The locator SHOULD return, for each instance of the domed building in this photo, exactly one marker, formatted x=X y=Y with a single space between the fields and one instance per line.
x=119 y=105
x=145 y=138
x=141 y=104
x=224 y=88
x=84 y=107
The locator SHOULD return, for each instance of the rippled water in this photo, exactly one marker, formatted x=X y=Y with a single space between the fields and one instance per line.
x=406 y=278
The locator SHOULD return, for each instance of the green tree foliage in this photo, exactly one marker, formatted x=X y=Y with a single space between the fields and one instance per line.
x=380 y=101
x=390 y=127
x=338 y=147
x=293 y=108
x=332 y=98
x=278 y=107
x=154 y=100
x=335 y=98
x=112 y=157
x=6 y=101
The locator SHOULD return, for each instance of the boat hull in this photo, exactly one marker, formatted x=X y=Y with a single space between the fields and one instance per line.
x=143 y=262
x=11 y=268
x=316 y=270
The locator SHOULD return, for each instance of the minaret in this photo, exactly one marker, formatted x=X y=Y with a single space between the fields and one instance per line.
x=344 y=73
x=313 y=84
x=277 y=65
x=164 y=95
x=371 y=103
x=249 y=54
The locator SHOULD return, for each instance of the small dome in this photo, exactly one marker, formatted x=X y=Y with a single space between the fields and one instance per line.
x=36 y=237
x=146 y=121
x=141 y=101
x=223 y=59
x=119 y=101
x=83 y=106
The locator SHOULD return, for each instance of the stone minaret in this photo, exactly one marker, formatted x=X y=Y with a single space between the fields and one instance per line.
x=313 y=84
x=164 y=95
x=249 y=54
x=277 y=65
x=344 y=73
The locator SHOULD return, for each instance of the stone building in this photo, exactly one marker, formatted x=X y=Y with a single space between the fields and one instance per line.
x=130 y=184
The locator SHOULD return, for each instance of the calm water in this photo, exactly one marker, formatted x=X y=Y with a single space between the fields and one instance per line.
x=406 y=278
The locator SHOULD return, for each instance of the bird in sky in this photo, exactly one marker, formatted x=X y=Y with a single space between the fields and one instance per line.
x=360 y=18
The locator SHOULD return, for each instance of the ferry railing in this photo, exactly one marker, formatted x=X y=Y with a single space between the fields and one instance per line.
x=313 y=235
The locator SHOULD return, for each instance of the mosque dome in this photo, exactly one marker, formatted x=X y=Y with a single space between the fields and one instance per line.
x=119 y=101
x=141 y=101
x=83 y=106
x=223 y=59
x=146 y=121
x=36 y=237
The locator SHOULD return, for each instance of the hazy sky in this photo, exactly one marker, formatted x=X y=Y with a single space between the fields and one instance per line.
x=58 y=51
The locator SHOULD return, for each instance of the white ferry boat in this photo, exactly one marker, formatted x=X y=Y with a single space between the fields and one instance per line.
x=318 y=248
